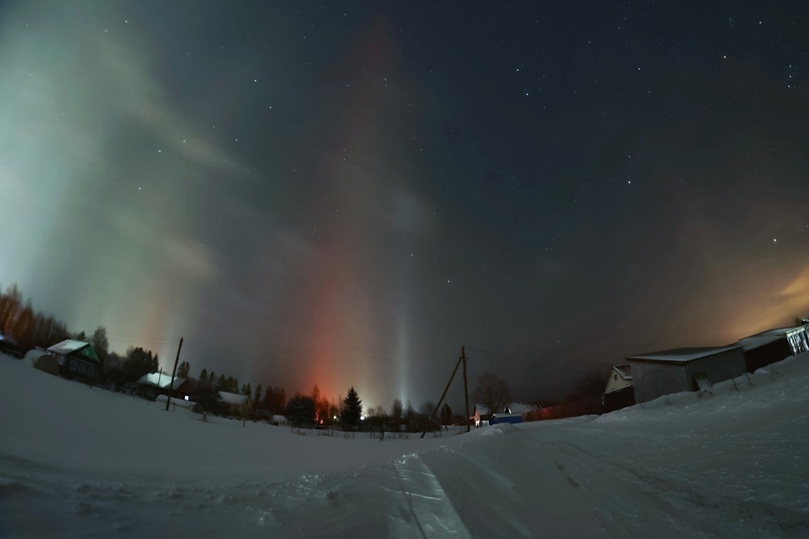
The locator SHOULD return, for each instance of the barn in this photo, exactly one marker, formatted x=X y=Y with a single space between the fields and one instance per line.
x=76 y=359
x=684 y=369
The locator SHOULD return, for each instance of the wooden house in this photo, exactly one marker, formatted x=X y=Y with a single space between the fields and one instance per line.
x=619 y=392
x=76 y=359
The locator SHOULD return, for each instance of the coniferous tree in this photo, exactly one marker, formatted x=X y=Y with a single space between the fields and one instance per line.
x=203 y=378
x=183 y=370
x=351 y=412
x=301 y=410
x=101 y=344
x=257 y=397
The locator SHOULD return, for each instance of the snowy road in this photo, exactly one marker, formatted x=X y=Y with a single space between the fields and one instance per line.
x=733 y=464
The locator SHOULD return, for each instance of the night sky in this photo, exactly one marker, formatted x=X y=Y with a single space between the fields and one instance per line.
x=344 y=193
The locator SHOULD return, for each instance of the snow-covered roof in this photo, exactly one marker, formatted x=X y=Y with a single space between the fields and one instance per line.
x=682 y=355
x=519 y=408
x=481 y=409
x=234 y=398
x=161 y=380
x=624 y=371
x=67 y=346
x=757 y=341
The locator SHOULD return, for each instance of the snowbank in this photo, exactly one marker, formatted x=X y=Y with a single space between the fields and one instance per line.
x=78 y=461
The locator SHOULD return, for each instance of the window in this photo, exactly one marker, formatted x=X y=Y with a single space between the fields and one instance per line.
x=82 y=368
x=615 y=376
x=73 y=364
x=91 y=371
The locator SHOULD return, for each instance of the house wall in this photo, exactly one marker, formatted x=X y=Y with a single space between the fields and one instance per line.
x=717 y=368
x=652 y=379
x=766 y=355
x=616 y=382
x=615 y=400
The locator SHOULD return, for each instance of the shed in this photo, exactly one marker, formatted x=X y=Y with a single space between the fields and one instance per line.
x=505 y=418
x=76 y=359
x=672 y=371
x=762 y=350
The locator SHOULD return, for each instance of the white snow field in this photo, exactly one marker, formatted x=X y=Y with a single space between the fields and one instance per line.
x=83 y=462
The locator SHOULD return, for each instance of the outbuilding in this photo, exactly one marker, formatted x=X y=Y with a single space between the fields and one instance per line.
x=684 y=369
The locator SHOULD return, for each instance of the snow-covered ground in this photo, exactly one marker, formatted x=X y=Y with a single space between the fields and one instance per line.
x=81 y=462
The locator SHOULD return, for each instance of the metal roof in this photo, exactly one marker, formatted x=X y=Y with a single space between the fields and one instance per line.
x=682 y=355
x=757 y=341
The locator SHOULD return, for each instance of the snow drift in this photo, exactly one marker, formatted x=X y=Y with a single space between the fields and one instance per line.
x=78 y=461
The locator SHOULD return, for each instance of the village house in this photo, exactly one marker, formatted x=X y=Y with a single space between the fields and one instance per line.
x=619 y=392
x=76 y=359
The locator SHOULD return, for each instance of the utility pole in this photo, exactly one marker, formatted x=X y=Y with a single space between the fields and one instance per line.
x=444 y=394
x=461 y=359
x=465 y=389
x=174 y=371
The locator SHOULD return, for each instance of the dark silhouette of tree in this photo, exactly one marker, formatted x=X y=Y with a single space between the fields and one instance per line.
x=396 y=411
x=592 y=383
x=139 y=362
x=101 y=344
x=183 y=369
x=446 y=414
x=492 y=392
x=257 y=397
x=351 y=411
x=300 y=410
x=275 y=400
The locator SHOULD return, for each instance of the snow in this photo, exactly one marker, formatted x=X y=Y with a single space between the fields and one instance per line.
x=684 y=355
x=77 y=461
x=67 y=346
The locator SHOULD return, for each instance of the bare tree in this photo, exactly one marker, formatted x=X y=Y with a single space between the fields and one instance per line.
x=492 y=392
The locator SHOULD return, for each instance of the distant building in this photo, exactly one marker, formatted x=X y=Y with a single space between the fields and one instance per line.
x=481 y=415
x=76 y=359
x=513 y=412
x=619 y=392
x=235 y=403
x=672 y=371
x=157 y=383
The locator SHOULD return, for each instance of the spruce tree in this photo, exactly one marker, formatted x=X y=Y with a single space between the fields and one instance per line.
x=351 y=412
